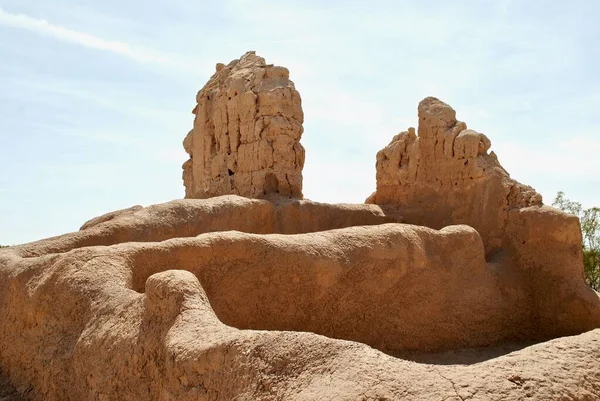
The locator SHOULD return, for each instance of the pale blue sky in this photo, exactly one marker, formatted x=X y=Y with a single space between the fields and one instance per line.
x=96 y=96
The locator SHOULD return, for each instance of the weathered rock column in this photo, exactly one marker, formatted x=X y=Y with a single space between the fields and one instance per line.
x=444 y=175
x=246 y=135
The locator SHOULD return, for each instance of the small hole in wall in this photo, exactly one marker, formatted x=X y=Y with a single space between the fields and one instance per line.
x=466 y=162
x=523 y=243
x=271 y=183
x=230 y=172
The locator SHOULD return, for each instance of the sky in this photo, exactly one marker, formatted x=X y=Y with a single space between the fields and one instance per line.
x=96 y=96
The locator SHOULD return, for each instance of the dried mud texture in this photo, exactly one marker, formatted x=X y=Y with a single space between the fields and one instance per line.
x=7 y=391
x=233 y=298
x=167 y=303
x=191 y=217
x=246 y=135
x=446 y=175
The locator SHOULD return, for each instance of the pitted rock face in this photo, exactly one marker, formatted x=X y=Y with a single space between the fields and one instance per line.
x=246 y=135
x=445 y=175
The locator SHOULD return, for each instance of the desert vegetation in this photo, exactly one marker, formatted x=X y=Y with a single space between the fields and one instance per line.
x=590 y=236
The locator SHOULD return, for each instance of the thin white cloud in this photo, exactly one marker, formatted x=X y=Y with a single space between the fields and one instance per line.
x=46 y=28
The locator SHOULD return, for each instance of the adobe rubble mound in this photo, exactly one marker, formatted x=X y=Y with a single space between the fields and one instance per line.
x=246 y=135
x=287 y=299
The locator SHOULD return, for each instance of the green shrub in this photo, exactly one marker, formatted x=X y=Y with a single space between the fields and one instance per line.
x=589 y=219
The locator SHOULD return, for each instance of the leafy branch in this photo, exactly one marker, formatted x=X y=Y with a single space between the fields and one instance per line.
x=589 y=220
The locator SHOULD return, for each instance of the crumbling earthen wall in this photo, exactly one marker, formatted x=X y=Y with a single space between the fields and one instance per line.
x=246 y=135
x=443 y=174
x=116 y=322
x=236 y=298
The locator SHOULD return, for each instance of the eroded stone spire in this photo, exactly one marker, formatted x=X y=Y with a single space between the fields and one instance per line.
x=443 y=175
x=246 y=135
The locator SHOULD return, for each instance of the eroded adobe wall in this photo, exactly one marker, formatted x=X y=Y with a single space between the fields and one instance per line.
x=191 y=217
x=444 y=174
x=116 y=322
x=246 y=135
x=127 y=309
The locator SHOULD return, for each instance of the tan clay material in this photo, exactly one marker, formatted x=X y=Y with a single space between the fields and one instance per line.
x=446 y=175
x=246 y=135
x=239 y=298
x=443 y=174
x=117 y=322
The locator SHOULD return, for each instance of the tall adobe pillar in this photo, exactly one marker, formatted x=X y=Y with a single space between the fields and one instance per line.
x=246 y=135
x=443 y=174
